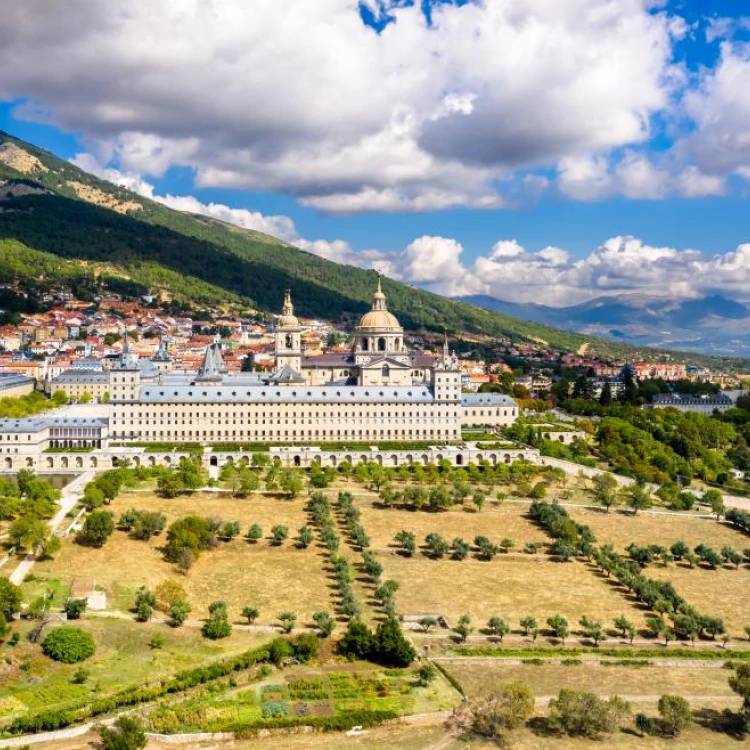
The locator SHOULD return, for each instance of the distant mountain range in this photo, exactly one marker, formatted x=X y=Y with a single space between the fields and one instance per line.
x=713 y=324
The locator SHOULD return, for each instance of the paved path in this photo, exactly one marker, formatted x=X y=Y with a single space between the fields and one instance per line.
x=69 y=496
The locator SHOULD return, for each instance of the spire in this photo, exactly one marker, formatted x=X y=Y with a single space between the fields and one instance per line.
x=378 y=299
x=126 y=361
x=446 y=352
x=212 y=366
x=288 y=306
x=162 y=353
x=287 y=319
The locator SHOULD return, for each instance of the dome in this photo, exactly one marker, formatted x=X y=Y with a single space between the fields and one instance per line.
x=288 y=319
x=379 y=319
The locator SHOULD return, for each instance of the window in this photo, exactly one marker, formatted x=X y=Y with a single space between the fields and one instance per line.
x=381 y=344
x=386 y=372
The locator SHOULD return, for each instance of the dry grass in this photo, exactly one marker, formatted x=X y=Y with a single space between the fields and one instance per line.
x=723 y=593
x=622 y=528
x=511 y=588
x=495 y=523
x=479 y=678
x=270 y=578
x=435 y=738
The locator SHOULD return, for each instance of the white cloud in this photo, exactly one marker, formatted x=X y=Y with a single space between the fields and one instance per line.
x=508 y=271
x=302 y=97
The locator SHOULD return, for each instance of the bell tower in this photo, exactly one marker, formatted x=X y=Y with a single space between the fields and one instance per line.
x=288 y=337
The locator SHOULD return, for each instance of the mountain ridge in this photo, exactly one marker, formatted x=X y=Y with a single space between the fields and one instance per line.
x=713 y=324
x=206 y=261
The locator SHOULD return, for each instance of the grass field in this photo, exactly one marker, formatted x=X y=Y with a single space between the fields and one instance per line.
x=620 y=528
x=31 y=681
x=270 y=578
x=723 y=593
x=511 y=588
x=495 y=523
x=481 y=677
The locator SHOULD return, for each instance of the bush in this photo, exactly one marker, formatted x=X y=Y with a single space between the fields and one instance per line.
x=305 y=646
x=74 y=608
x=127 y=734
x=68 y=645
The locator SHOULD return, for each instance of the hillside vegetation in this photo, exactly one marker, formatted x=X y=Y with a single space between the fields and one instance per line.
x=51 y=210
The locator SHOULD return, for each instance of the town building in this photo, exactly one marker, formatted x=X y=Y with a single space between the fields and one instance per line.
x=701 y=404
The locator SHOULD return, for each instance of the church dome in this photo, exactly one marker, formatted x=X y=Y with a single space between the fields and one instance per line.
x=288 y=319
x=379 y=319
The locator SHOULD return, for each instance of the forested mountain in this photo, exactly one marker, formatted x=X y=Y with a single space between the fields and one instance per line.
x=51 y=210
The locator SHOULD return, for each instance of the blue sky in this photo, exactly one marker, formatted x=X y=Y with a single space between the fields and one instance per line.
x=521 y=149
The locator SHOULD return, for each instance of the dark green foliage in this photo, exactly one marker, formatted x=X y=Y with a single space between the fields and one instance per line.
x=358 y=640
x=386 y=646
x=69 y=645
x=74 y=608
x=10 y=598
x=97 y=528
x=193 y=533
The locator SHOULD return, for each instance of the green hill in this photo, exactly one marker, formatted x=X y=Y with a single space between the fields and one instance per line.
x=57 y=221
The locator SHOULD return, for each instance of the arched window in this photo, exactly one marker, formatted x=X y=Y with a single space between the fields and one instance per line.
x=364 y=345
x=386 y=371
x=289 y=341
x=381 y=344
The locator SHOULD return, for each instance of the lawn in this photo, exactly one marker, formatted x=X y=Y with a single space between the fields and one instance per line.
x=512 y=588
x=507 y=520
x=723 y=593
x=270 y=578
x=638 y=684
x=620 y=528
x=31 y=681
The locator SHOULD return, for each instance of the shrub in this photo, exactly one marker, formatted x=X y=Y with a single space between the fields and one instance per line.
x=97 y=528
x=68 y=645
x=74 y=608
x=305 y=646
x=127 y=734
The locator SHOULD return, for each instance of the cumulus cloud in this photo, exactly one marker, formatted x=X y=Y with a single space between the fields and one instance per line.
x=507 y=271
x=304 y=98
x=720 y=108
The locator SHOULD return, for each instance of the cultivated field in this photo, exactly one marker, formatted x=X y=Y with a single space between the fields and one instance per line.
x=479 y=677
x=273 y=579
x=507 y=520
x=723 y=593
x=620 y=528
